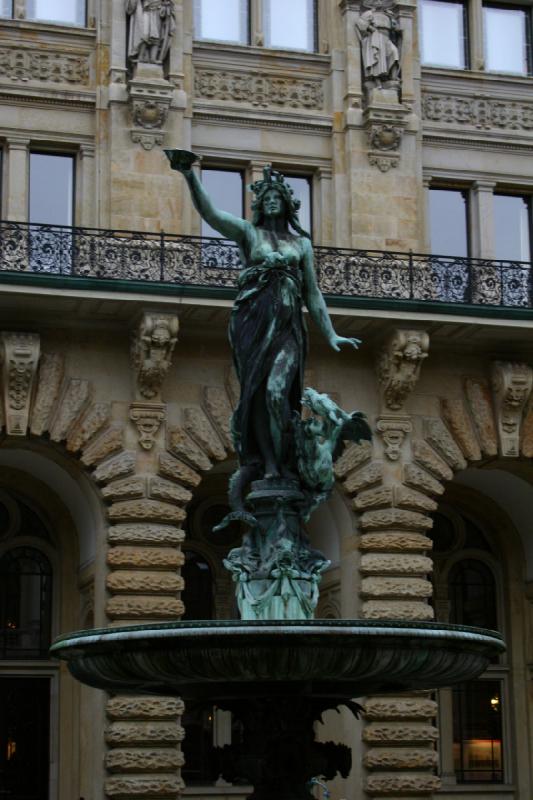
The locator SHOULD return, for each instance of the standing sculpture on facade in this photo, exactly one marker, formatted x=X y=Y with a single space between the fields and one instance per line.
x=282 y=461
x=151 y=26
x=378 y=31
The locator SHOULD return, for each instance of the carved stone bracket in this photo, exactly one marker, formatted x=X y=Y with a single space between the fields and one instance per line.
x=385 y=120
x=150 y=96
x=152 y=347
x=399 y=365
x=393 y=430
x=148 y=418
x=512 y=384
x=19 y=354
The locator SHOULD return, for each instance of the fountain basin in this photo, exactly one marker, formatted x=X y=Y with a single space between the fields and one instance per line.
x=217 y=660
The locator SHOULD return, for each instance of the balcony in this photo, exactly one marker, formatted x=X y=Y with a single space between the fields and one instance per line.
x=188 y=265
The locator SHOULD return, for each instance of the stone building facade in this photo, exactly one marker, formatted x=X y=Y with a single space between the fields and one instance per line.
x=117 y=386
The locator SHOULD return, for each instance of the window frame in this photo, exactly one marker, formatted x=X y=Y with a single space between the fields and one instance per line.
x=528 y=32
x=62 y=23
x=265 y=7
x=197 y=15
x=528 y=198
x=465 y=37
x=309 y=178
x=9 y=14
x=218 y=167
x=62 y=154
x=466 y=193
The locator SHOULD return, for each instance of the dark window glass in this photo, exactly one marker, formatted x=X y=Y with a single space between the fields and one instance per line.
x=51 y=189
x=66 y=12
x=301 y=186
x=443 y=33
x=198 y=593
x=511 y=227
x=472 y=593
x=24 y=738
x=506 y=39
x=25 y=603
x=289 y=25
x=6 y=8
x=198 y=747
x=477 y=732
x=226 y=190
x=442 y=533
x=226 y=21
x=448 y=222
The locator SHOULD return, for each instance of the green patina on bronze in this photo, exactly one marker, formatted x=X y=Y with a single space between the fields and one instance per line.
x=285 y=462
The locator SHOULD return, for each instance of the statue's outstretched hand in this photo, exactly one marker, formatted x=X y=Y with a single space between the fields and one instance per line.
x=181 y=160
x=337 y=341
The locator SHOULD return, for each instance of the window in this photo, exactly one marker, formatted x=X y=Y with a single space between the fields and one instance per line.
x=448 y=222
x=25 y=603
x=466 y=593
x=223 y=22
x=226 y=189
x=51 y=189
x=301 y=186
x=507 y=39
x=198 y=592
x=65 y=12
x=290 y=25
x=512 y=215
x=443 y=33
x=6 y=8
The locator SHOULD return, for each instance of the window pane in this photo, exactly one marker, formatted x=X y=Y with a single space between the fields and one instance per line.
x=447 y=222
x=289 y=25
x=51 y=189
x=226 y=191
x=477 y=732
x=25 y=604
x=505 y=39
x=222 y=21
x=6 y=8
x=302 y=192
x=442 y=33
x=472 y=594
x=70 y=12
x=511 y=228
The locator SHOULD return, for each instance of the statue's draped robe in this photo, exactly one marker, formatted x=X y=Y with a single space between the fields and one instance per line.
x=266 y=318
x=150 y=26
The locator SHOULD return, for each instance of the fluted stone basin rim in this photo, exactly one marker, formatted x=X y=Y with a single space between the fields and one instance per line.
x=323 y=658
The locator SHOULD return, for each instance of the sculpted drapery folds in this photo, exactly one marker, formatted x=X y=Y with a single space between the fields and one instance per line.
x=152 y=25
x=378 y=30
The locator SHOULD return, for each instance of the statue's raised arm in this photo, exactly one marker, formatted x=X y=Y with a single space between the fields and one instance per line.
x=227 y=225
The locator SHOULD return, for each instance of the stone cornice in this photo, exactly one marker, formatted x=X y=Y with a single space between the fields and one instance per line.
x=242 y=118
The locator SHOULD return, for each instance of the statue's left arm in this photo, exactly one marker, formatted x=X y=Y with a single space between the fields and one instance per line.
x=316 y=304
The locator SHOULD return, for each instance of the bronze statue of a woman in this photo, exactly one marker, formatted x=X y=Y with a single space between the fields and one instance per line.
x=287 y=464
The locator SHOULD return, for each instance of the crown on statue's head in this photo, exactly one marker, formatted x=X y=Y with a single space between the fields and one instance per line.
x=272 y=179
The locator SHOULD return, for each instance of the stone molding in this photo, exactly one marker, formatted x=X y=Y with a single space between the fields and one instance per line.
x=150 y=96
x=258 y=89
x=384 y=120
x=399 y=365
x=45 y=66
x=19 y=355
x=393 y=429
x=153 y=343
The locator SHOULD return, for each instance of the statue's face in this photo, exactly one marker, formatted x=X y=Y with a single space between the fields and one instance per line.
x=273 y=204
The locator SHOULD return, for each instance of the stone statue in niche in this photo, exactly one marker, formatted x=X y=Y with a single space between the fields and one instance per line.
x=151 y=26
x=379 y=34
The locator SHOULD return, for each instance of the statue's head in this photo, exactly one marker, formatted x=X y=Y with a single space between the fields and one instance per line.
x=274 y=197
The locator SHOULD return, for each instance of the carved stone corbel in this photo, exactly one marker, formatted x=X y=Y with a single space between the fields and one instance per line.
x=148 y=418
x=152 y=347
x=385 y=120
x=393 y=430
x=19 y=354
x=511 y=384
x=399 y=365
x=150 y=96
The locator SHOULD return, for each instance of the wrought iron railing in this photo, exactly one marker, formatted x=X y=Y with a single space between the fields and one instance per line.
x=190 y=261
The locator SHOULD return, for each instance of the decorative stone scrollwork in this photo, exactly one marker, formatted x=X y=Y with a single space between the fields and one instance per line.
x=259 y=89
x=484 y=113
x=19 y=354
x=393 y=431
x=148 y=418
x=23 y=64
x=150 y=96
x=399 y=365
x=152 y=347
x=512 y=384
x=149 y=113
x=385 y=137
